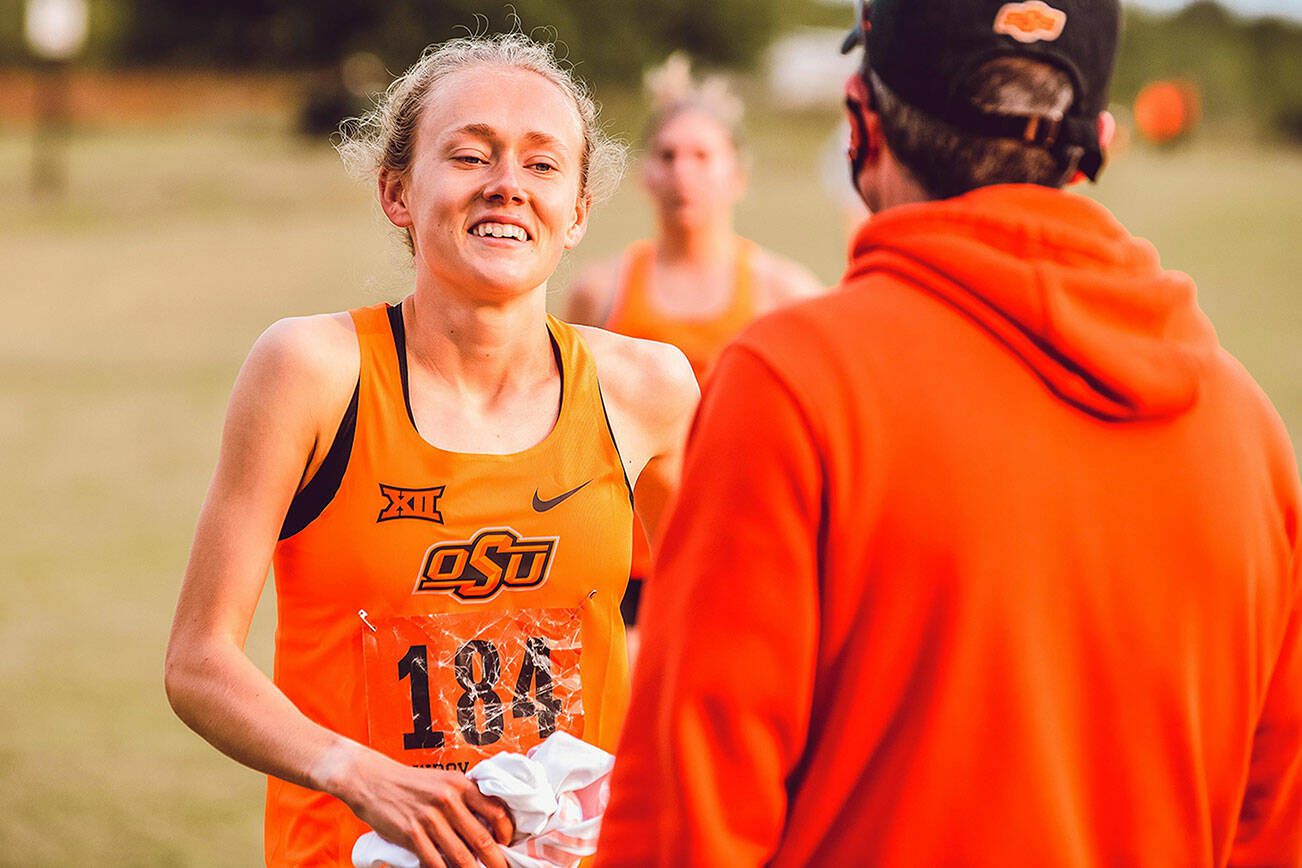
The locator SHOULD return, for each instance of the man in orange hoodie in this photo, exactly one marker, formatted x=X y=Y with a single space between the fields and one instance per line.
x=990 y=557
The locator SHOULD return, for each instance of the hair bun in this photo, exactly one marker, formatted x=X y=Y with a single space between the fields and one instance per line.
x=671 y=86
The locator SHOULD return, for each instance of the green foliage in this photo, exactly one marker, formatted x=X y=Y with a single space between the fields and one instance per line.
x=816 y=13
x=612 y=40
x=11 y=29
x=1244 y=69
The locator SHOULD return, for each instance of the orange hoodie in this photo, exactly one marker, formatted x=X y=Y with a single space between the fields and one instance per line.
x=989 y=558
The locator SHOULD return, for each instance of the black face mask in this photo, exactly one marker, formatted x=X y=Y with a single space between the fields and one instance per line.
x=859 y=95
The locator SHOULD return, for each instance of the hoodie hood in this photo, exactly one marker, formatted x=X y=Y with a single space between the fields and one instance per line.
x=1056 y=279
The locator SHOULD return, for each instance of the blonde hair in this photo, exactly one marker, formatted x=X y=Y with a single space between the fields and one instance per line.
x=385 y=137
x=673 y=91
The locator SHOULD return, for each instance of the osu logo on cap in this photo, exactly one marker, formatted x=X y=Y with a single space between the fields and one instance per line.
x=1032 y=21
x=477 y=569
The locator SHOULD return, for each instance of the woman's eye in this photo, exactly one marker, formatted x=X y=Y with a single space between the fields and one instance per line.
x=469 y=159
x=543 y=167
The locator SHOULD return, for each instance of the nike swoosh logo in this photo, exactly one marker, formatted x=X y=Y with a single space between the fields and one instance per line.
x=540 y=505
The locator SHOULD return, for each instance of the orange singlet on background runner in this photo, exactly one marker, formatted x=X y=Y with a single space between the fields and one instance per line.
x=701 y=340
x=477 y=574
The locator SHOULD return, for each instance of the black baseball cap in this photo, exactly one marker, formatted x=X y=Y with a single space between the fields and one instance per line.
x=923 y=50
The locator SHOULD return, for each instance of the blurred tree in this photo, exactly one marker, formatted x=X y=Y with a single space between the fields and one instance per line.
x=1243 y=69
x=613 y=40
x=11 y=29
x=1275 y=74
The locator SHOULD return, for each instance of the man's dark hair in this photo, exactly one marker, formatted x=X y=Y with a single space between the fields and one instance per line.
x=947 y=161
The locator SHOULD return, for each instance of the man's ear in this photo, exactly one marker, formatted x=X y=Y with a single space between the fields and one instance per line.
x=393 y=198
x=579 y=227
x=865 y=128
x=1107 y=125
x=1107 y=131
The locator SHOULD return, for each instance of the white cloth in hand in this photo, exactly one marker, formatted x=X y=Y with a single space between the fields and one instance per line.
x=556 y=795
x=372 y=851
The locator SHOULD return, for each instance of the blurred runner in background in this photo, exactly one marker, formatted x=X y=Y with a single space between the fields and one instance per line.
x=697 y=283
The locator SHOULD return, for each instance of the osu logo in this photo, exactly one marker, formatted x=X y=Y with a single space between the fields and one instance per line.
x=476 y=570
x=1032 y=21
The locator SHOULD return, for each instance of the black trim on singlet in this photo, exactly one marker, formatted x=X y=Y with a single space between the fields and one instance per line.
x=632 y=602
x=613 y=442
x=560 y=366
x=632 y=599
x=314 y=497
x=400 y=343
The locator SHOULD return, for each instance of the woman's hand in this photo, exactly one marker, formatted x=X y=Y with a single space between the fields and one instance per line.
x=439 y=815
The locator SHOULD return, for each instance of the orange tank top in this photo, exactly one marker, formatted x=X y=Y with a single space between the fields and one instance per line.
x=442 y=606
x=701 y=340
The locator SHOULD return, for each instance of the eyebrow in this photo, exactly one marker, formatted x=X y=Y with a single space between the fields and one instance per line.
x=533 y=137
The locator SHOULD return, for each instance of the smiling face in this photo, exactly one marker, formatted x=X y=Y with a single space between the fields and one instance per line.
x=693 y=171
x=492 y=197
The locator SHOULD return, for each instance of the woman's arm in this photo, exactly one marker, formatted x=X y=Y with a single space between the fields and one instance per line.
x=651 y=396
x=290 y=395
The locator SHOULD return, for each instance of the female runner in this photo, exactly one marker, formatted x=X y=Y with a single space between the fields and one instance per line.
x=443 y=486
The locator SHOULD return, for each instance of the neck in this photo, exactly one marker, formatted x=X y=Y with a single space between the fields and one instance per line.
x=699 y=245
x=478 y=349
x=885 y=183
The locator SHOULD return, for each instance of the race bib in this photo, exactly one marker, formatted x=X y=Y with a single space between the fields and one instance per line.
x=445 y=691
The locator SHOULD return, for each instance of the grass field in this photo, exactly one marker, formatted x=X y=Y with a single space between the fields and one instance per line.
x=129 y=307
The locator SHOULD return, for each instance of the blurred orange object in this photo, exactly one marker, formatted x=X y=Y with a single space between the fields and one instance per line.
x=1167 y=110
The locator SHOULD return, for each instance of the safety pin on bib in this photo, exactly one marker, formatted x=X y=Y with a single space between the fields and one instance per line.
x=361 y=613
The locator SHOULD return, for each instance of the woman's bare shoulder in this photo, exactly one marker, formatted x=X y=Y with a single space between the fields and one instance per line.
x=307 y=364
x=648 y=380
x=320 y=347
